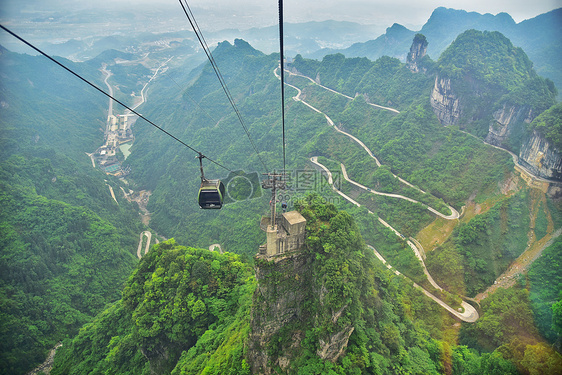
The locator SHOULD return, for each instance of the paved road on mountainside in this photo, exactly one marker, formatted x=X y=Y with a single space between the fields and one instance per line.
x=454 y=215
x=298 y=98
x=143 y=99
x=469 y=315
x=148 y=235
x=107 y=75
x=339 y=93
x=414 y=248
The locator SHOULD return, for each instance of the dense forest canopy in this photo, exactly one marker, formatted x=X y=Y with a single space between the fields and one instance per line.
x=68 y=244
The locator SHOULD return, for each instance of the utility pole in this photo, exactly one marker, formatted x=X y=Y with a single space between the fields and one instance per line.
x=274 y=181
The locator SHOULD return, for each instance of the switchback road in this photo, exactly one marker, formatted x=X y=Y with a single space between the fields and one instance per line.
x=468 y=315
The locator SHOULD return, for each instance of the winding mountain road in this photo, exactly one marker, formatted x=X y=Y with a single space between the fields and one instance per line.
x=339 y=93
x=331 y=123
x=454 y=215
x=469 y=313
x=148 y=235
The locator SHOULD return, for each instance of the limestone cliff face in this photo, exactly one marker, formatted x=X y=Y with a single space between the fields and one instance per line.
x=445 y=103
x=449 y=107
x=283 y=287
x=417 y=52
x=282 y=310
x=506 y=120
x=538 y=155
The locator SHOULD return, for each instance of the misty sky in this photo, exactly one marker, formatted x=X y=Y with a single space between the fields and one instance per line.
x=264 y=12
x=406 y=12
x=77 y=19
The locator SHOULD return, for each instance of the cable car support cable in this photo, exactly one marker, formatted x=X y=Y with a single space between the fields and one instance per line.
x=282 y=67
x=206 y=49
x=109 y=96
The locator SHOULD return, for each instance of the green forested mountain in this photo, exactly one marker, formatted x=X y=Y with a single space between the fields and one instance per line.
x=489 y=74
x=539 y=37
x=187 y=310
x=66 y=245
x=181 y=308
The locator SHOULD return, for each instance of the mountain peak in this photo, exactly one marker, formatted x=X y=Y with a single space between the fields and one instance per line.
x=396 y=28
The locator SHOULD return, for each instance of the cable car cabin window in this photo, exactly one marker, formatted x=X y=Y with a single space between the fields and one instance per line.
x=211 y=194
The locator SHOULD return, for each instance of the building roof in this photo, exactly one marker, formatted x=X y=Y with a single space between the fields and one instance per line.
x=294 y=217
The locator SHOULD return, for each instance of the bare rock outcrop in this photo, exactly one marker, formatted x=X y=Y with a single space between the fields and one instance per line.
x=445 y=103
x=539 y=156
x=332 y=348
x=418 y=50
x=505 y=121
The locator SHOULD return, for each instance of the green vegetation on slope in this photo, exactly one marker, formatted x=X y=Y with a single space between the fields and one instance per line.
x=61 y=264
x=66 y=245
x=507 y=326
x=484 y=247
x=183 y=309
x=545 y=279
x=549 y=124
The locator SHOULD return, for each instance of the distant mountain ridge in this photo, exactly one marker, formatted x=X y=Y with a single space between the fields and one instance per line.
x=540 y=37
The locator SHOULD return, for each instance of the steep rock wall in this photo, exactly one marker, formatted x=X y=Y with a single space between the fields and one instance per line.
x=283 y=287
x=286 y=303
x=505 y=121
x=446 y=105
x=418 y=50
x=539 y=156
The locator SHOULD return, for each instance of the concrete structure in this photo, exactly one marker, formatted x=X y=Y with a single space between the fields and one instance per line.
x=286 y=236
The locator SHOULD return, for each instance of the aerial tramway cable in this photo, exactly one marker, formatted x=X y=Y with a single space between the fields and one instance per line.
x=206 y=49
x=282 y=67
x=111 y=97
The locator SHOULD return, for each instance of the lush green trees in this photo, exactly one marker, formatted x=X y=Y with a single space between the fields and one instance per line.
x=183 y=309
x=60 y=266
x=65 y=245
x=549 y=123
x=545 y=282
x=506 y=325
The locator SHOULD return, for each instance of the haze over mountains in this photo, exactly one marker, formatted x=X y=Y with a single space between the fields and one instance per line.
x=410 y=138
x=540 y=37
x=543 y=47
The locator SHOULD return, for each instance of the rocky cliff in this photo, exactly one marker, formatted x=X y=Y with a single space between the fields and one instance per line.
x=487 y=86
x=445 y=103
x=284 y=307
x=307 y=303
x=506 y=121
x=418 y=50
x=283 y=288
x=538 y=155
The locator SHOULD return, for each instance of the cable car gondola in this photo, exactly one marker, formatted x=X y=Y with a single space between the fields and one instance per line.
x=211 y=192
